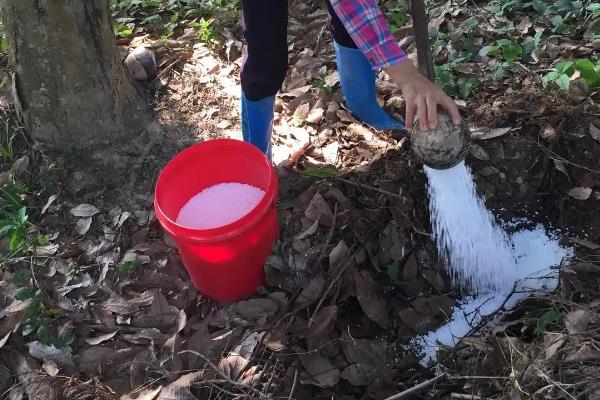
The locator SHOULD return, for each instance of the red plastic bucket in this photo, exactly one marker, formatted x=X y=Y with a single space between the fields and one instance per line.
x=224 y=263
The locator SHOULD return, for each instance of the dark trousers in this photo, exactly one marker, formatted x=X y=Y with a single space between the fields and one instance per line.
x=266 y=55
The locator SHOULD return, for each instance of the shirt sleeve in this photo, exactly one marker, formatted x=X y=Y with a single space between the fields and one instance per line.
x=370 y=31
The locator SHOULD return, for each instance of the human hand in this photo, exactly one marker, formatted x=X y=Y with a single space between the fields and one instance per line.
x=422 y=97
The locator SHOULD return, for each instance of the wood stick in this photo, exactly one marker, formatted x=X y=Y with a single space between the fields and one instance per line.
x=415 y=389
x=422 y=39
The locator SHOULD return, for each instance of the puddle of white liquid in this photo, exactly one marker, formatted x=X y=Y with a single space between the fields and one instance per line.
x=537 y=252
x=495 y=270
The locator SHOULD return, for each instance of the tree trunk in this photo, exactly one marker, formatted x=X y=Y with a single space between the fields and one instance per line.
x=71 y=88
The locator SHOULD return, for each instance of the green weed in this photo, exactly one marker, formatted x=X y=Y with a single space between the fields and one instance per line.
x=398 y=15
x=169 y=17
x=9 y=134
x=321 y=83
x=129 y=267
x=3 y=42
x=563 y=72
x=39 y=319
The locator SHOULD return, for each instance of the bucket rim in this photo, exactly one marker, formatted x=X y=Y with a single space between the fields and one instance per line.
x=231 y=229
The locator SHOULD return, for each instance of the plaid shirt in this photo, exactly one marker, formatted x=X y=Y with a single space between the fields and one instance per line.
x=370 y=31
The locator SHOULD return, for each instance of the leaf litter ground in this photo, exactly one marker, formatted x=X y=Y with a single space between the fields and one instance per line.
x=355 y=276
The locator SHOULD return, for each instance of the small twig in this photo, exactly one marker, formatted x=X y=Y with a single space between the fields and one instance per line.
x=348 y=181
x=476 y=377
x=293 y=385
x=168 y=68
x=328 y=239
x=423 y=233
x=331 y=285
x=409 y=392
x=221 y=374
x=551 y=381
x=137 y=167
x=464 y=396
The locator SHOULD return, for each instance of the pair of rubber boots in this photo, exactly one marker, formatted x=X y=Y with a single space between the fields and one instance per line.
x=358 y=85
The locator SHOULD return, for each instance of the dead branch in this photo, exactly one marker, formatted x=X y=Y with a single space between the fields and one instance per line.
x=415 y=389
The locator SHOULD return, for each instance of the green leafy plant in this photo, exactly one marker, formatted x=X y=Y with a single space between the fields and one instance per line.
x=124 y=30
x=564 y=71
x=453 y=86
x=593 y=10
x=169 y=17
x=393 y=272
x=324 y=172
x=129 y=267
x=321 y=83
x=9 y=133
x=39 y=319
x=3 y=42
x=398 y=15
x=13 y=226
x=546 y=320
x=204 y=29
x=508 y=50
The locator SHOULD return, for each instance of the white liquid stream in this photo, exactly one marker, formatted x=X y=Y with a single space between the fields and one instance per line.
x=484 y=261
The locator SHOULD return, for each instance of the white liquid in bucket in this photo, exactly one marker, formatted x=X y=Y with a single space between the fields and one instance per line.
x=219 y=205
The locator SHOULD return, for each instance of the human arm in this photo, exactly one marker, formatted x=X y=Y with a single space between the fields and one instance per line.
x=371 y=33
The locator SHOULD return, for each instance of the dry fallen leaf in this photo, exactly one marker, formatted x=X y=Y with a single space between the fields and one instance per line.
x=330 y=152
x=320 y=369
x=489 y=133
x=323 y=321
x=20 y=166
x=91 y=360
x=51 y=200
x=315 y=115
x=560 y=166
x=119 y=305
x=359 y=374
x=594 y=132
x=42 y=352
x=311 y=292
x=239 y=357
x=337 y=258
x=587 y=352
x=318 y=209
x=578 y=321
x=255 y=309
x=51 y=367
x=83 y=225
x=370 y=352
x=410 y=318
x=479 y=153
x=580 y=193
x=100 y=338
x=180 y=389
x=308 y=232
x=301 y=113
x=146 y=394
x=368 y=295
x=552 y=343
x=5 y=339
x=409 y=272
x=84 y=211
x=435 y=279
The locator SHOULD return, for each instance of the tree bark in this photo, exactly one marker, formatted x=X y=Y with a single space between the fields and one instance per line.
x=71 y=88
x=420 y=27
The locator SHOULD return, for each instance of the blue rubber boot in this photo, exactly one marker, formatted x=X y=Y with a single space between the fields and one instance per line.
x=358 y=84
x=257 y=122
